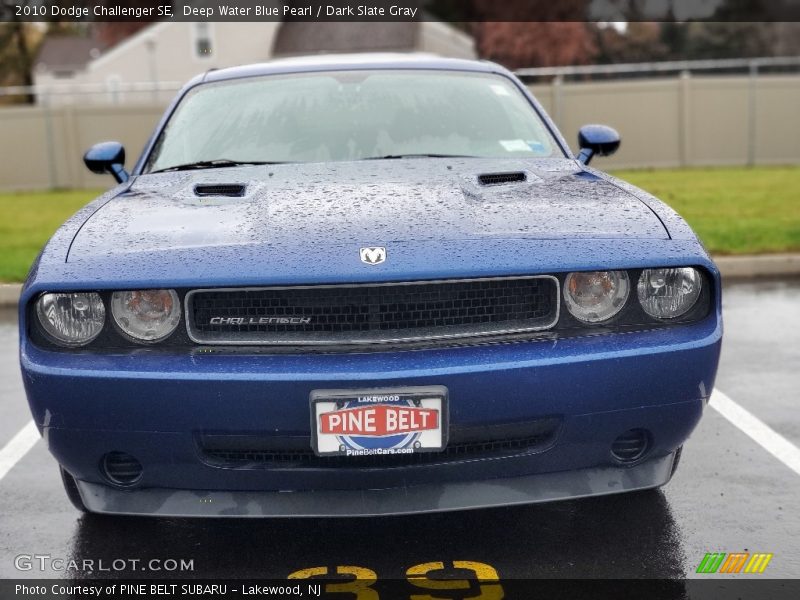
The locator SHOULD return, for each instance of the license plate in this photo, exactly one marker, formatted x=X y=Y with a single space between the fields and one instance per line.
x=378 y=421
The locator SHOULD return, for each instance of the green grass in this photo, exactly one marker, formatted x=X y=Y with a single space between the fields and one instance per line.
x=734 y=210
x=27 y=220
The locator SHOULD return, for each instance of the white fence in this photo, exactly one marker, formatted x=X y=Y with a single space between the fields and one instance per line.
x=742 y=112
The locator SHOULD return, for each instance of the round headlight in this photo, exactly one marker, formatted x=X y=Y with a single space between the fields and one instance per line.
x=596 y=296
x=669 y=293
x=146 y=316
x=71 y=319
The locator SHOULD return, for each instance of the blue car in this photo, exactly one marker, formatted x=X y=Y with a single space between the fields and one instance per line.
x=365 y=285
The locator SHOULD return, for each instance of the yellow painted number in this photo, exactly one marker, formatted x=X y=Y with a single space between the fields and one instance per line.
x=359 y=585
x=486 y=576
x=360 y=580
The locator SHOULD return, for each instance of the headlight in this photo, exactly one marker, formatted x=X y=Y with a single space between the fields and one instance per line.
x=669 y=293
x=596 y=296
x=71 y=319
x=146 y=316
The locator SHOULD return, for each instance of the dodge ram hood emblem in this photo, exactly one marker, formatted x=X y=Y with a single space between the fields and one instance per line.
x=374 y=255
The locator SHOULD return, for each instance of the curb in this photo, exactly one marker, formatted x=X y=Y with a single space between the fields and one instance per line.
x=9 y=294
x=732 y=268
x=758 y=266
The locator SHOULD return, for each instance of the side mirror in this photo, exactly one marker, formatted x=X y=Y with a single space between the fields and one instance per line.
x=107 y=157
x=597 y=139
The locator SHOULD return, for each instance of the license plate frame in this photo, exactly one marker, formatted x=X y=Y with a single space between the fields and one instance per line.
x=413 y=405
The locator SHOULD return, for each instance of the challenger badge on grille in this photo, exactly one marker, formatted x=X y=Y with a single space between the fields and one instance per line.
x=259 y=320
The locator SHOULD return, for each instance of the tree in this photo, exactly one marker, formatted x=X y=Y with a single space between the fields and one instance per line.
x=638 y=42
x=18 y=44
x=526 y=44
x=729 y=40
x=736 y=29
x=523 y=33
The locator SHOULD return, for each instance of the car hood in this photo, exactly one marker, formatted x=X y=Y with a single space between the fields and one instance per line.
x=369 y=203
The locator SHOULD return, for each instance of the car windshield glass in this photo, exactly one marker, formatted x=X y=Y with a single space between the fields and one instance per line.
x=353 y=115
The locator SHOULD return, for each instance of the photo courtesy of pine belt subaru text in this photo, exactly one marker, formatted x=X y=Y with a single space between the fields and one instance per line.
x=365 y=285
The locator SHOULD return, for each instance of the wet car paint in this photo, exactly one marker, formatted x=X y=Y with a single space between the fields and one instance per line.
x=369 y=201
x=728 y=495
x=302 y=224
x=153 y=230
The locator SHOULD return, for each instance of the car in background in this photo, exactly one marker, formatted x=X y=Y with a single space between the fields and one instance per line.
x=365 y=285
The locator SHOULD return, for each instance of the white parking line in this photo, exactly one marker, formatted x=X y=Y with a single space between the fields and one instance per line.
x=761 y=433
x=18 y=447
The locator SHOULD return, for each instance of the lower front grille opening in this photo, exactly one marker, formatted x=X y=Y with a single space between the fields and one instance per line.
x=631 y=446
x=121 y=468
x=466 y=443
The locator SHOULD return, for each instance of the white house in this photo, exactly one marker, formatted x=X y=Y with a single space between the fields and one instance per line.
x=170 y=53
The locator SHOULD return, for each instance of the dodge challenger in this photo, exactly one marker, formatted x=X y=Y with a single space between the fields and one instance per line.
x=365 y=285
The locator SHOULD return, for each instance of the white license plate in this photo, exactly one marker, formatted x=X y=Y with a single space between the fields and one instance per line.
x=379 y=421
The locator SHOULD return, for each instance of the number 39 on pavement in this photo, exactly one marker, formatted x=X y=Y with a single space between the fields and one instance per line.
x=430 y=577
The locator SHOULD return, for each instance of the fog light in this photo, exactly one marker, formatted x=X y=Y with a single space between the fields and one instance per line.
x=121 y=468
x=631 y=445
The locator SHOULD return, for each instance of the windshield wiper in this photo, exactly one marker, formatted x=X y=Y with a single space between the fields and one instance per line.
x=392 y=156
x=217 y=163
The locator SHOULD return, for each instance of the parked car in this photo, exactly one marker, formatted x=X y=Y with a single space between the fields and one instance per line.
x=365 y=286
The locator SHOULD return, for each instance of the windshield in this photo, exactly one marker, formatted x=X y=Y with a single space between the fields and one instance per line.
x=352 y=115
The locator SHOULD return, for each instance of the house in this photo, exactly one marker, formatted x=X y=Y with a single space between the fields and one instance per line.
x=170 y=53
x=64 y=57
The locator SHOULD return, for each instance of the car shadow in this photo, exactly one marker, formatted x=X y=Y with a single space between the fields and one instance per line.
x=630 y=535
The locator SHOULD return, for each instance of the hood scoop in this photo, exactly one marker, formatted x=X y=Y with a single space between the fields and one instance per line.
x=229 y=190
x=501 y=178
x=501 y=186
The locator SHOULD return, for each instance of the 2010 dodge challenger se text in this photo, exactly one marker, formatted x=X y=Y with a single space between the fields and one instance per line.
x=363 y=286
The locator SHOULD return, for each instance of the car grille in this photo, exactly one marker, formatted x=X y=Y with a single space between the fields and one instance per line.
x=470 y=443
x=440 y=311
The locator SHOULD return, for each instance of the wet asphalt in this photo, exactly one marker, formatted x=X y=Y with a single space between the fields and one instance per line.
x=729 y=495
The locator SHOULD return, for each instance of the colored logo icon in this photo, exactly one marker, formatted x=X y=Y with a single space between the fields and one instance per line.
x=735 y=562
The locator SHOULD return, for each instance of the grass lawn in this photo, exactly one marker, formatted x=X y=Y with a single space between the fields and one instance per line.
x=734 y=210
x=27 y=220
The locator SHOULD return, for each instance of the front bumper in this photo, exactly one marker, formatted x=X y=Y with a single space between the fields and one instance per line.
x=153 y=406
x=432 y=497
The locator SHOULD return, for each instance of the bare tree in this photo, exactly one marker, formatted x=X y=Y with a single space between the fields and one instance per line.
x=17 y=48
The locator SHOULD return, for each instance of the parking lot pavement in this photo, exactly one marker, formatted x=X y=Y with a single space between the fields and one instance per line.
x=762 y=341
x=12 y=401
x=729 y=495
